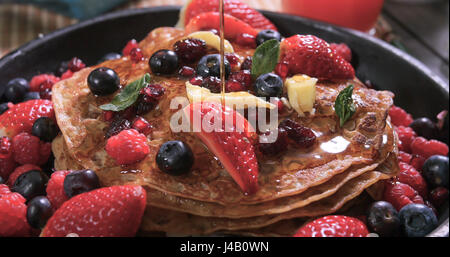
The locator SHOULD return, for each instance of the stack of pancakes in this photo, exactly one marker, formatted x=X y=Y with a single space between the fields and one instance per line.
x=298 y=185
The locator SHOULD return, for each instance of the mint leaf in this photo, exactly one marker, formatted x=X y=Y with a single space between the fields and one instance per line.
x=344 y=106
x=265 y=58
x=128 y=96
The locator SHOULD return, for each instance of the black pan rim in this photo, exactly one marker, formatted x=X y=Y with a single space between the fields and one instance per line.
x=441 y=231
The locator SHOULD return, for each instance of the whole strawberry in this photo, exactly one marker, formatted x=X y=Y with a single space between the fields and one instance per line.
x=21 y=117
x=28 y=149
x=334 y=226
x=128 y=147
x=310 y=55
x=7 y=163
x=13 y=221
x=55 y=189
x=342 y=50
x=107 y=212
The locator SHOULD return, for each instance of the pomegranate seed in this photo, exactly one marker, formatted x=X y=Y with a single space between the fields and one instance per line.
x=136 y=55
x=153 y=93
x=302 y=136
x=130 y=46
x=282 y=70
x=234 y=86
x=197 y=81
x=46 y=94
x=142 y=125
x=190 y=50
x=247 y=64
x=117 y=125
x=213 y=84
x=186 y=72
x=233 y=59
x=108 y=115
x=76 y=64
x=246 y=40
x=279 y=146
x=244 y=77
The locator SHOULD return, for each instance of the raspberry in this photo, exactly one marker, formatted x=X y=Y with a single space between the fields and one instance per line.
x=76 y=64
x=55 y=189
x=38 y=80
x=67 y=75
x=7 y=163
x=302 y=136
x=234 y=86
x=19 y=171
x=410 y=176
x=190 y=50
x=244 y=77
x=439 y=196
x=279 y=146
x=13 y=221
x=406 y=135
x=136 y=55
x=140 y=124
x=400 y=117
x=196 y=81
x=404 y=157
x=342 y=50
x=400 y=195
x=417 y=162
x=128 y=147
x=282 y=70
x=246 y=40
x=426 y=149
x=130 y=46
x=118 y=125
x=247 y=64
x=29 y=149
x=4 y=190
x=213 y=84
x=186 y=72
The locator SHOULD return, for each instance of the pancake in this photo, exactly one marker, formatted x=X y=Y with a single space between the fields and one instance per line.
x=83 y=127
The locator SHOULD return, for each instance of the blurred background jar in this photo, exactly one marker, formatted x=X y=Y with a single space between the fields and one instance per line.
x=356 y=14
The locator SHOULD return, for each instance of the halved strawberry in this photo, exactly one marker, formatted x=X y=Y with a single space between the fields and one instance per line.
x=21 y=117
x=310 y=55
x=234 y=27
x=106 y=212
x=235 y=8
x=229 y=136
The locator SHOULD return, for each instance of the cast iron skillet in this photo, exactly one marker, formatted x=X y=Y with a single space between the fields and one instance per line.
x=418 y=90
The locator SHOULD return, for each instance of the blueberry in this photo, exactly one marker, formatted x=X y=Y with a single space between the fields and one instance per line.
x=164 y=62
x=79 y=182
x=110 y=56
x=269 y=85
x=209 y=66
x=16 y=89
x=30 y=184
x=175 y=158
x=45 y=128
x=266 y=35
x=426 y=128
x=417 y=220
x=39 y=211
x=435 y=171
x=383 y=219
x=103 y=81
x=3 y=108
x=31 y=96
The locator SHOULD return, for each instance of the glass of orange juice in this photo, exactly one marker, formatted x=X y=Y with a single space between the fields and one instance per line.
x=356 y=14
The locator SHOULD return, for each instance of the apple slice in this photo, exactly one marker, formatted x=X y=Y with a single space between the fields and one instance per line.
x=230 y=141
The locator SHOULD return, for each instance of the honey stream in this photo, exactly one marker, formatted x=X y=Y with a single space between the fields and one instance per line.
x=222 y=49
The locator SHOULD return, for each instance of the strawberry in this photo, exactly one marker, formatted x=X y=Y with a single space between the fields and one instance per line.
x=400 y=195
x=28 y=149
x=334 y=226
x=234 y=27
x=106 y=212
x=235 y=8
x=4 y=190
x=37 y=81
x=7 y=163
x=310 y=55
x=427 y=148
x=410 y=176
x=13 y=211
x=342 y=50
x=231 y=143
x=128 y=147
x=21 y=117
x=55 y=189
x=19 y=171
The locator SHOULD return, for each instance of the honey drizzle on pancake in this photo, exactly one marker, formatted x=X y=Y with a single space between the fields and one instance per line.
x=222 y=49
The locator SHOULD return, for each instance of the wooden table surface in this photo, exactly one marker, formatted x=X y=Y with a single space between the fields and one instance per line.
x=422 y=29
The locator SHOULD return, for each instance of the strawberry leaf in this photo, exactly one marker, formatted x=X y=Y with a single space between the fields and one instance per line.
x=128 y=96
x=265 y=58
x=344 y=106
